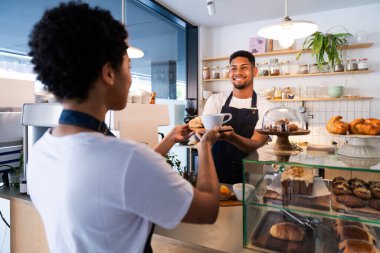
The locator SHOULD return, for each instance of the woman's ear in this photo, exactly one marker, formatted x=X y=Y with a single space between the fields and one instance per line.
x=108 y=74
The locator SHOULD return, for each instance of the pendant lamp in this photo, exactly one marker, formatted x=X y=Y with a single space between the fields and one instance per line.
x=288 y=30
x=134 y=52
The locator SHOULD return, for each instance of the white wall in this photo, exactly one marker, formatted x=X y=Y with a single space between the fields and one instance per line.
x=222 y=41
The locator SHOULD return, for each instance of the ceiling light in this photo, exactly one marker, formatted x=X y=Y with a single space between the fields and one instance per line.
x=211 y=7
x=288 y=30
x=134 y=52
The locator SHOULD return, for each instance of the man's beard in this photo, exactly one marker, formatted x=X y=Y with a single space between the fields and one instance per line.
x=240 y=86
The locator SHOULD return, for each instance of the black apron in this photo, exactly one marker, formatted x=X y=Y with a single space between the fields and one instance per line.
x=80 y=119
x=227 y=157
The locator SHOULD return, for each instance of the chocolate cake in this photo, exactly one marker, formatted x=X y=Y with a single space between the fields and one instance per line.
x=297 y=181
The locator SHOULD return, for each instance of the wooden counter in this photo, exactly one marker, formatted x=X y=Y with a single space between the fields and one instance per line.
x=225 y=235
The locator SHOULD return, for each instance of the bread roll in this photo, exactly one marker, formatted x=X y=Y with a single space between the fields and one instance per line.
x=356 y=246
x=287 y=231
x=355 y=232
x=336 y=126
x=196 y=123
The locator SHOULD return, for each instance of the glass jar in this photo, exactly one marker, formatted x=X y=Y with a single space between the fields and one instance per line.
x=206 y=73
x=274 y=67
x=304 y=69
x=265 y=69
x=338 y=67
x=313 y=68
x=352 y=65
x=285 y=68
x=226 y=72
x=363 y=64
x=325 y=68
x=215 y=72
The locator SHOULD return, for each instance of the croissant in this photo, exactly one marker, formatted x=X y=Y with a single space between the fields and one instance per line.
x=287 y=231
x=373 y=121
x=361 y=126
x=336 y=126
x=354 y=232
x=196 y=123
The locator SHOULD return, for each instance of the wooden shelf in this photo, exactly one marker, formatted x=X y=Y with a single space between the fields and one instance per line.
x=294 y=51
x=320 y=99
x=301 y=75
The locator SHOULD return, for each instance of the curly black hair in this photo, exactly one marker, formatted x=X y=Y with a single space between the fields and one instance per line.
x=243 y=53
x=71 y=43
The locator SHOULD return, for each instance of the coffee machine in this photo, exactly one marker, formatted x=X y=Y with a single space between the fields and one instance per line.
x=191 y=109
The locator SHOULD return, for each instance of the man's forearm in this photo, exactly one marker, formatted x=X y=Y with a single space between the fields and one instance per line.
x=247 y=144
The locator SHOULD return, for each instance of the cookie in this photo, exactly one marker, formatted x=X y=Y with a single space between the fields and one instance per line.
x=375 y=190
x=342 y=189
x=338 y=180
x=362 y=193
x=350 y=201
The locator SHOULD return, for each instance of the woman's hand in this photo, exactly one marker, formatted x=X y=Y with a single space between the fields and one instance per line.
x=180 y=133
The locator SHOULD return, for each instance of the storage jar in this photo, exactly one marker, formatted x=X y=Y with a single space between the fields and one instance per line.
x=363 y=64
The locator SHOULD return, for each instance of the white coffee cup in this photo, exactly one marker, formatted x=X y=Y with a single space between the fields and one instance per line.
x=215 y=120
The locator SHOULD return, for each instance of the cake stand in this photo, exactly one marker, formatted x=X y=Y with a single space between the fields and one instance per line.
x=359 y=146
x=282 y=142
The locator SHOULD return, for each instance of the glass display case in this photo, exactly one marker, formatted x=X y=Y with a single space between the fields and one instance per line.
x=277 y=219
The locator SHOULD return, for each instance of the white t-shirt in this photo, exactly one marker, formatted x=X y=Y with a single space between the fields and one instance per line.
x=215 y=103
x=101 y=194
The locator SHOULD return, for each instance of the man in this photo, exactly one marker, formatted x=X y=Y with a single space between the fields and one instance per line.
x=242 y=104
x=96 y=193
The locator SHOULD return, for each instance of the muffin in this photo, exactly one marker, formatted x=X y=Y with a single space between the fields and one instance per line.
x=362 y=193
x=338 y=180
x=342 y=189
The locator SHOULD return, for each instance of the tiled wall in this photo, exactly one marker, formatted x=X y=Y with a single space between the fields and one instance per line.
x=322 y=111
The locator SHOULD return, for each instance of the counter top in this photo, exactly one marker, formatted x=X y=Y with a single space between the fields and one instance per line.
x=225 y=235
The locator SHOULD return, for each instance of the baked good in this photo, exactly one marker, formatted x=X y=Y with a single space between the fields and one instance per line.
x=338 y=224
x=362 y=193
x=341 y=189
x=354 y=232
x=373 y=121
x=375 y=191
x=350 y=201
x=297 y=181
x=374 y=203
x=356 y=183
x=356 y=246
x=338 y=180
x=361 y=126
x=287 y=231
x=224 y=190
x=196 y=123
x=292 y=127
x=336 y=126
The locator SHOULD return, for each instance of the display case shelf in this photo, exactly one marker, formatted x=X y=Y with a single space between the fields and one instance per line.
x=285 y=52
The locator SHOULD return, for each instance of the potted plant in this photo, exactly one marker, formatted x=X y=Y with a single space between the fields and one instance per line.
x=329 y=44
x=174 y=162
x=14 y=173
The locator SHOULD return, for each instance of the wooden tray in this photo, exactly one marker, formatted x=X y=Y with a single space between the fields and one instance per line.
x=320 y=203
x=261 y=237
x=232 y=201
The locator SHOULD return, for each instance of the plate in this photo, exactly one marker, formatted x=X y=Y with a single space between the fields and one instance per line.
x=222 y=129
x=298 y=132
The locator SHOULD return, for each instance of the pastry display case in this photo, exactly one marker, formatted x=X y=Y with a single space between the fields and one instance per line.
x=294 y=209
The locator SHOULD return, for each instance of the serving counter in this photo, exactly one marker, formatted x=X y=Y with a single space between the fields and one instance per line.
x=225 y=235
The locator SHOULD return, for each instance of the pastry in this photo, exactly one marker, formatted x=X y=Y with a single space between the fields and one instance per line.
x=342 y=189
x=336 y=126
x=373 y=121
x=292 y=127
x=356 y=183
x=354 y=232
x=338 y=223
x=375 y=191
x=287 y=231
x=361 y=126
x=362 y=193
x=356 y=246
x=350 y=201
x=338 y=180
x=196 y=123
x=374 y=203
x=297 y=181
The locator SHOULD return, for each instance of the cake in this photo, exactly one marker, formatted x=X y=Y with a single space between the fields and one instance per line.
x=297 y=181
x=287 y=231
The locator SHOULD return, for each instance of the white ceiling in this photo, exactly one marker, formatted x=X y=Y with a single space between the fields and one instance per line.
x=232 y=12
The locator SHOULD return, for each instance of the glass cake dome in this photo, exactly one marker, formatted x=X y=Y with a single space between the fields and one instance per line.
x=283 y=119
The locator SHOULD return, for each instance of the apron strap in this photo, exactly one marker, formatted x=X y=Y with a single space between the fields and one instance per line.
x=253 y=102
